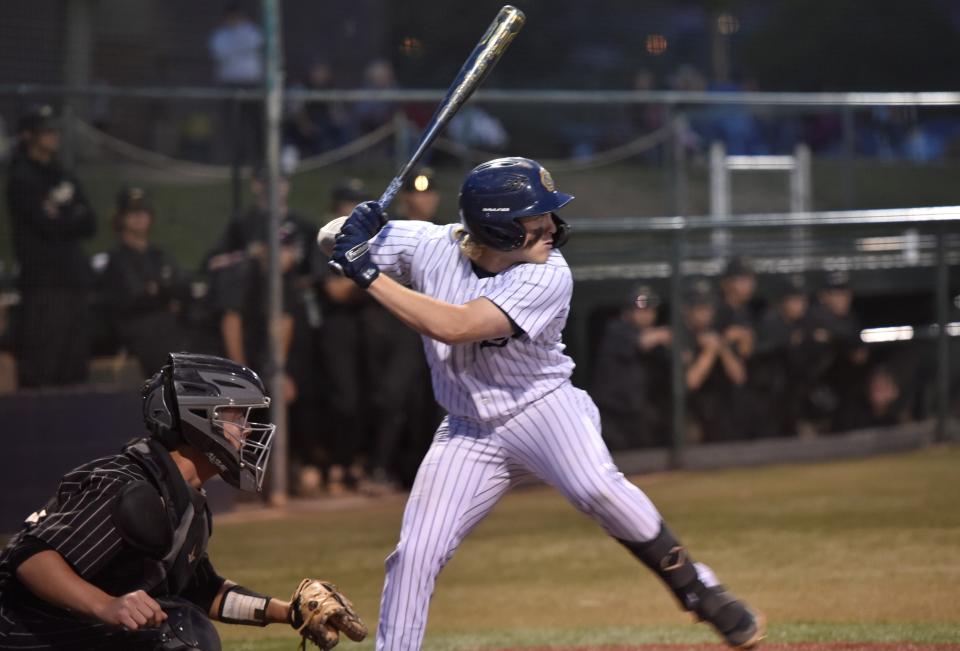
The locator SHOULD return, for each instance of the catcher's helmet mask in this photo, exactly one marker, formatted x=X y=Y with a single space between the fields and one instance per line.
x=500 y=192
x=184 y=402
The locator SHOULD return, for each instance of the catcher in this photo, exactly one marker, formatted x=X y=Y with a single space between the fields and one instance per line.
x=117 y=558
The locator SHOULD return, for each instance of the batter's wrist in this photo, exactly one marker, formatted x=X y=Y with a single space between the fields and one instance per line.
x=366 y=276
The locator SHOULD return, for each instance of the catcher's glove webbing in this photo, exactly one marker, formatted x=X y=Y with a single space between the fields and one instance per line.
x=319 y=612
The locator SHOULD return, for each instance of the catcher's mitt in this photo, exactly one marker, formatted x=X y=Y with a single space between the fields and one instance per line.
x=318 y=611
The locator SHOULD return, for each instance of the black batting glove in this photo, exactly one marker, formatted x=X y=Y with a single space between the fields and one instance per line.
x=368 y=217
x=351 y=254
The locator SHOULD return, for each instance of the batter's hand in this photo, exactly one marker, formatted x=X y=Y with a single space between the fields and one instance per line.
x=351 y=256
x=368 y=217
x=133 y=611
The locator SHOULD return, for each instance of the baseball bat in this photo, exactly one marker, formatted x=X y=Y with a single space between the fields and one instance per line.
x=475 y=69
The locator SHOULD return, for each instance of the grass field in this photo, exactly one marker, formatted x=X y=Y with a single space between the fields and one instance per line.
x=848 y=552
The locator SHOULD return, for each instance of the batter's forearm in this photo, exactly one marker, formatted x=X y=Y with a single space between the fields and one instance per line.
x=477 y=320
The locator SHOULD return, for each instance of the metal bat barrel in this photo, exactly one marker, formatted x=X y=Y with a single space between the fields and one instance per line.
x=475 y=69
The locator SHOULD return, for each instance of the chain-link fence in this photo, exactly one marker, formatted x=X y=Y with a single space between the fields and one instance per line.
x=638 y=161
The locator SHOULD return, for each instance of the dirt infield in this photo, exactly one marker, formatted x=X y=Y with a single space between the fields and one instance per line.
x=799 y=646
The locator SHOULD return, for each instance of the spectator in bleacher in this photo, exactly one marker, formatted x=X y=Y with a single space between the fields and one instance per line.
x=645 y=118
x=632 y=362
x=143 y=288
x=236 y=47
x=780 y=374
x=476 y=128
x=839 y=355
x=714 y=372
x=314 y=126
x=371 y=114
x=50 y=218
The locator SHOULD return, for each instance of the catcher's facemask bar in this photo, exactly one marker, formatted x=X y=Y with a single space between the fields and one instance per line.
x=251 y=440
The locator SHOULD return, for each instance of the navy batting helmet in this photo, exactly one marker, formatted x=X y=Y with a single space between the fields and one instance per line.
x=499 y=192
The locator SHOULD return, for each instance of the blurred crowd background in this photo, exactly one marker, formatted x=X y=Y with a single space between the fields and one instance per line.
x=135 y=223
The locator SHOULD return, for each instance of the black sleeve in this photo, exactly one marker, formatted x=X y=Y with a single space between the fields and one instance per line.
x=73 y=220
x=204 y=585
x=176 y=285
x=82 y=216
x=82 y=529
x=125 y=291
x=25 y=547
x=229 y=287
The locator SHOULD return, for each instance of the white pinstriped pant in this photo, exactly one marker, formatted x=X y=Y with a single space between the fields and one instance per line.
x=468 y=469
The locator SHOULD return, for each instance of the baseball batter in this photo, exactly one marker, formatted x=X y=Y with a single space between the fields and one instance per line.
x=490 y=297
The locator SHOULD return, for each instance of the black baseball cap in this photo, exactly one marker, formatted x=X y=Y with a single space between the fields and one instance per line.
x=643 y=297
x=837 y=280
x=37 y=119
x=131 y=198
x=792 y=285
x=422 y=180
x=737 y=266
x=698 y=292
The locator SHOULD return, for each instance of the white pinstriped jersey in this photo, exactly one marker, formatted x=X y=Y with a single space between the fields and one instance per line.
x=512 y=413
x=487 y=380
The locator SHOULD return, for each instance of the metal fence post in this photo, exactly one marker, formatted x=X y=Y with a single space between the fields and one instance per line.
x=943 y=341
x=801 y=190
x=719 y=181
x=678 y=157
x=849 y=152
x=721 y=205
x=678 y=384
x=78 y=46
x=275 y=371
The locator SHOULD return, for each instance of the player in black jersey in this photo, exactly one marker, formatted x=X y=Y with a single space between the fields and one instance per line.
x=117 y=559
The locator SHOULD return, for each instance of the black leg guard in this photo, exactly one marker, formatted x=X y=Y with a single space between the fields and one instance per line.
x=669 y=560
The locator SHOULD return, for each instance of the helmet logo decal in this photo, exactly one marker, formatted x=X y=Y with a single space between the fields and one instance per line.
x=216 y=462
x=495 y=209
x=547 y=180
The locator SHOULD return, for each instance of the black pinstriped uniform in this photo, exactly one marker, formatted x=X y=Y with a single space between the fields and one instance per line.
x=78 y=524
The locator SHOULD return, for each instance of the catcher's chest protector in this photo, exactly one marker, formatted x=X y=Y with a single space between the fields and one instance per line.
x=188 y=516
